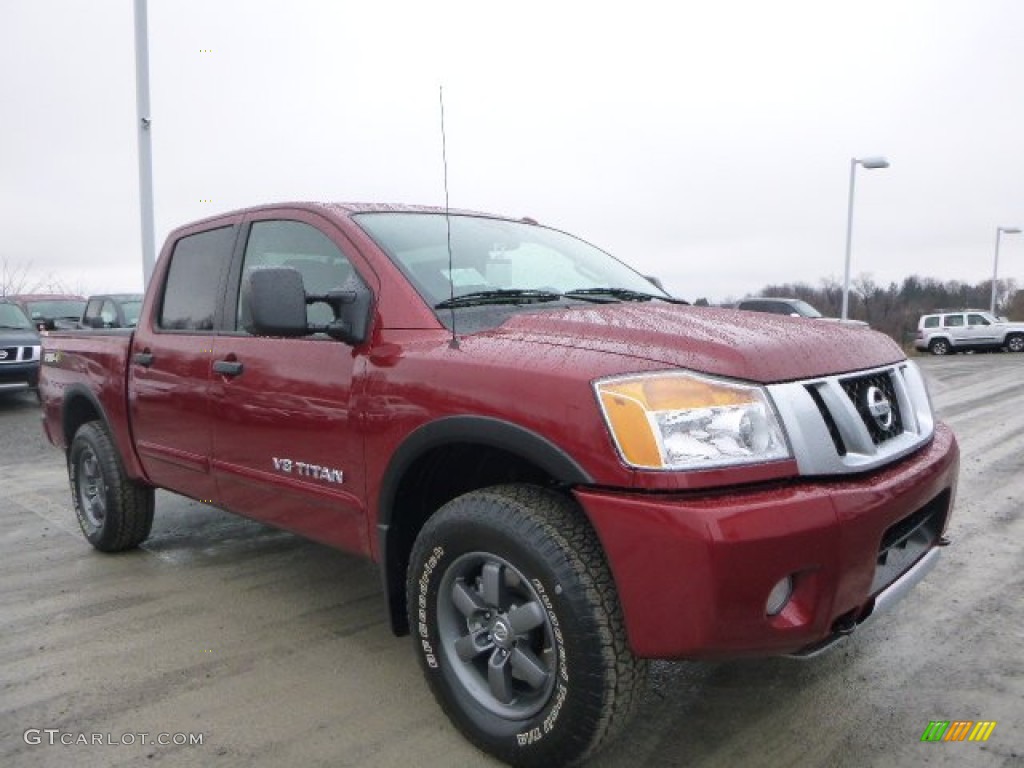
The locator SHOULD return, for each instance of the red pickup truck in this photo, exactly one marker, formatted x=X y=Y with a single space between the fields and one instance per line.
x=561 y=470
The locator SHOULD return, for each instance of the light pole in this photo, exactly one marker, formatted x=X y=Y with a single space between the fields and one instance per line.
x=145 y=140
x=870 y=163
x=995 y=266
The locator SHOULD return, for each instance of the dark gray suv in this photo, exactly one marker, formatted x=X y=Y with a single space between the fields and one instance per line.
x=787 y=307
x=19 y=350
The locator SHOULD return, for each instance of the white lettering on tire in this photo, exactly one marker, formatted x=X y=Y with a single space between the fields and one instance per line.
x=421 y=604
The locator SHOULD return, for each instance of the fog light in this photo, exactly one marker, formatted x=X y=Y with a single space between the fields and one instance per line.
x=779 y=596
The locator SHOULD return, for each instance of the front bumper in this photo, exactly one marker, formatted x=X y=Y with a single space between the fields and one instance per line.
x=15 y=376
x=694 y=571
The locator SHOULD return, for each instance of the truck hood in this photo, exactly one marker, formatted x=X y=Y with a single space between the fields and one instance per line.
x=744 y=345
x=15 y=337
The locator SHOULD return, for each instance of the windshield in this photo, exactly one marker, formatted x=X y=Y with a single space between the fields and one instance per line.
x=495 y=255
x=12 y=318
x=64 y=308
x=805 y=309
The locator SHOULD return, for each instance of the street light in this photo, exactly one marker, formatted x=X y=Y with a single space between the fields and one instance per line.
x=995 y=267
x=870 y=163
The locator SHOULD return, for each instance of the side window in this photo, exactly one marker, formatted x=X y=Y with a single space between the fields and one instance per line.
x=931 y=322
x=953 y=321
x=192 y=289
x=302 y=247
x=92 y=310
x=977 y=320
x=108 y=313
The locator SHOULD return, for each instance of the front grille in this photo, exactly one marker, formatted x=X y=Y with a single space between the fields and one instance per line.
x=905 y=542
x=876 y=391
x=830 y=423
x=855 y=422
x=10 y=354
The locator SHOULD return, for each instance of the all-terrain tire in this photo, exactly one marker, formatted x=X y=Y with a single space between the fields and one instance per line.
x=114 y=512
x=518 y=627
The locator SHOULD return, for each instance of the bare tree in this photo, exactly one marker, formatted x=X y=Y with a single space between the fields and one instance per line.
x=15 y=277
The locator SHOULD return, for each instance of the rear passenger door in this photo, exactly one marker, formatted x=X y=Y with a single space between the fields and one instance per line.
x=169 y=363
x=955 y=326
x=286 y=445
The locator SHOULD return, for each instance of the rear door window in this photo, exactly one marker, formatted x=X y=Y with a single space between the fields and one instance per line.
x=194 y=281
x=953 y=321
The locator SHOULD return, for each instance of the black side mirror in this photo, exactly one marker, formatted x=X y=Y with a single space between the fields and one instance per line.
x=95 y=322
x=275 y=303
x=351 y=307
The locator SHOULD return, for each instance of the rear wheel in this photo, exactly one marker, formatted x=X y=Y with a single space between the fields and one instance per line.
x=939 y=347
x=1015 y=343
x=114 y=512
x=518 y=626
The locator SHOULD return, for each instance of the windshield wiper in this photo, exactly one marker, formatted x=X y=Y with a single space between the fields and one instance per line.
x=15 y=328
x=625 y=294
x=498 y=296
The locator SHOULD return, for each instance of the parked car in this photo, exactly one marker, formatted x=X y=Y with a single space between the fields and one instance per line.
x=562 y=470
x=787 y=307
x=112 y=310
x=19 y=349
x=49 y=311
x=962 y=330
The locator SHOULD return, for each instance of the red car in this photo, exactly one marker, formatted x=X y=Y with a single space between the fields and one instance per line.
x=49 y=311
x=562 y=470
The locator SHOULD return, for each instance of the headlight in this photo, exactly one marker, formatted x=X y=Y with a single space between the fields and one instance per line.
x=686 y=421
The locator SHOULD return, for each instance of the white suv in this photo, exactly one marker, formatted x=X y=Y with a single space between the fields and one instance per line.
x=964 y=329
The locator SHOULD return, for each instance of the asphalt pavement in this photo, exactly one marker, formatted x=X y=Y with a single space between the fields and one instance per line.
x=273 y=651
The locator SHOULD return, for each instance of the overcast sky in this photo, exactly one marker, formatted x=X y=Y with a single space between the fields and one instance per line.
x=705 y=142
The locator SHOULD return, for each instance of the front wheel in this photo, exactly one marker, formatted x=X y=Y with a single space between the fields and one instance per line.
x=939 y=347
x=1015 y=343
x=114 y=512
x=518 y=626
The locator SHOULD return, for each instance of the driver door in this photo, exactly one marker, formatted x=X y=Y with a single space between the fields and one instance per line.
x=286 y=446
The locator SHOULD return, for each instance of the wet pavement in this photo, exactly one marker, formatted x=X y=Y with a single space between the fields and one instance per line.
x=277 y=652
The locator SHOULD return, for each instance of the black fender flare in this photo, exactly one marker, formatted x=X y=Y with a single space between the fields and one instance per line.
x=75 y=392
x=481 y=430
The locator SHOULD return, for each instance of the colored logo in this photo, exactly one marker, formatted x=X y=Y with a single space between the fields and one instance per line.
x=958 y=730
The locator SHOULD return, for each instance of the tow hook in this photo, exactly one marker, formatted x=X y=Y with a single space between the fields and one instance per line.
x=844 y=626
x=943 y=541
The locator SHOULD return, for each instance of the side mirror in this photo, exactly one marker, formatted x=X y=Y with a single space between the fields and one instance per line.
x=351 y=307
x=275 y=300
x=275 y=303
x=46 y=324
x=95 y=322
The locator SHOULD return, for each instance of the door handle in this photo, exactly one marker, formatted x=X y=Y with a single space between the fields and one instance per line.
x=227 y=367
x=143 y=358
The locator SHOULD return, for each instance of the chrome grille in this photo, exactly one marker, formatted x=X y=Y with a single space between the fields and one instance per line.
x=855 y=422
x=866 y=392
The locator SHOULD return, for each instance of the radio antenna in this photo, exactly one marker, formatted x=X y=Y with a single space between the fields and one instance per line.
x=454 y=343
